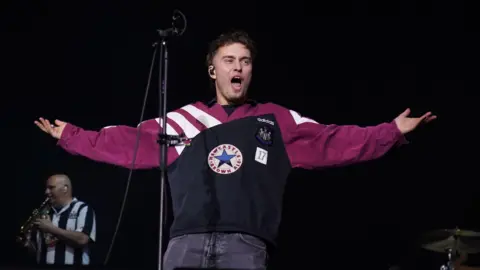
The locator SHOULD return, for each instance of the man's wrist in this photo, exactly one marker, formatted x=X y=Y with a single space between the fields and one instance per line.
x=54 y=230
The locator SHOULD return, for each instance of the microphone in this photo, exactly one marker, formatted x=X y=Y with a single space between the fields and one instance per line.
x=178 y=26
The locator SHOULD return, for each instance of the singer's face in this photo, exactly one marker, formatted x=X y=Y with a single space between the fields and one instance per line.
x=232 y=73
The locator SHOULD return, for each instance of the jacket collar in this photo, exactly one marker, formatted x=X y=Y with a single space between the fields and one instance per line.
x=214 y=101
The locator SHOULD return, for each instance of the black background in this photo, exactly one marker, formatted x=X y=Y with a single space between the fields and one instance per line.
x=361 y=62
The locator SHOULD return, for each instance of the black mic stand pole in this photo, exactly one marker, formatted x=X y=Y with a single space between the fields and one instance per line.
x=164 y=139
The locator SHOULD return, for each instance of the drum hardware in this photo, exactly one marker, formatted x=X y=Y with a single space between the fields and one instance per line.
x=453 y=243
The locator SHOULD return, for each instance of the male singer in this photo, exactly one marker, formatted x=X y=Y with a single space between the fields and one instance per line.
x=229 y=180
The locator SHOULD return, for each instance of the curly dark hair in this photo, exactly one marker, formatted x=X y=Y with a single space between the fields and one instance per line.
x=233 y=36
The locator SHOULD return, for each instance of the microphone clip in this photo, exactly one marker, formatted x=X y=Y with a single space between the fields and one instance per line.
x=173 y=140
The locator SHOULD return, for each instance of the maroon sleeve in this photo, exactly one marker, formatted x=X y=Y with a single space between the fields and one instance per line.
x=312 y=145
x=116 y=144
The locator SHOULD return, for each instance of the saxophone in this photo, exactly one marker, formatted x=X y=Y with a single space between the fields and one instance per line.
x=26 y=229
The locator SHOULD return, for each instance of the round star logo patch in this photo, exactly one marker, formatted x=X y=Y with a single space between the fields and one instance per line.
x=225 y=159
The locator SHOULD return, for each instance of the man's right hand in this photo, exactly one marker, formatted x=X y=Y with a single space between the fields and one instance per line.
x=54 y=130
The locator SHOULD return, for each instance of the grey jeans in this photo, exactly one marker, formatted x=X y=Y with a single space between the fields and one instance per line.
x=216 y=250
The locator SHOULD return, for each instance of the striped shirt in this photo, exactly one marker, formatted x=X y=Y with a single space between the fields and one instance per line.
x=76 y=216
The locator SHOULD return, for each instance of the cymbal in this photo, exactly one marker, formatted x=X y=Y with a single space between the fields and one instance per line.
x=444 y=234
x=463 y=241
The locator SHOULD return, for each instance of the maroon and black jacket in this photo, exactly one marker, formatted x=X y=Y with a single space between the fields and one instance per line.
x=231 y=176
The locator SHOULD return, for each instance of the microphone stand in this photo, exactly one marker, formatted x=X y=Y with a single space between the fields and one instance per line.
x=165 y=140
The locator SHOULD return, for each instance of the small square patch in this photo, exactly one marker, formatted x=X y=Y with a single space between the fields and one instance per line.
x=261 y=155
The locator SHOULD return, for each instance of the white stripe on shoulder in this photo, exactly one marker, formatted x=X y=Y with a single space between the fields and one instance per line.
x=171 y=131
x=203 y=117
x=301 y=120
x=190 y=130
x=78 y=205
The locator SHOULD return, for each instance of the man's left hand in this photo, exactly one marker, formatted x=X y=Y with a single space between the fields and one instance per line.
x=406 y=124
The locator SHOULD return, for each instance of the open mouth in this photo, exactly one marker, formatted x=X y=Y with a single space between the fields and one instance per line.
x=236 y=82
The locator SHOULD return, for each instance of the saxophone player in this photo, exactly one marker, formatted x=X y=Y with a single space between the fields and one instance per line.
x=65 y=235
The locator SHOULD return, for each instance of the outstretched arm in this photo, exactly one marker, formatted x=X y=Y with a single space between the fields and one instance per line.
x=313 y=145
x=115 y=144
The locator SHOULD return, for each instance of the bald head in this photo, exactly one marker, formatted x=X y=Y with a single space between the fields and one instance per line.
x=61 y=179
x=59 y=189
